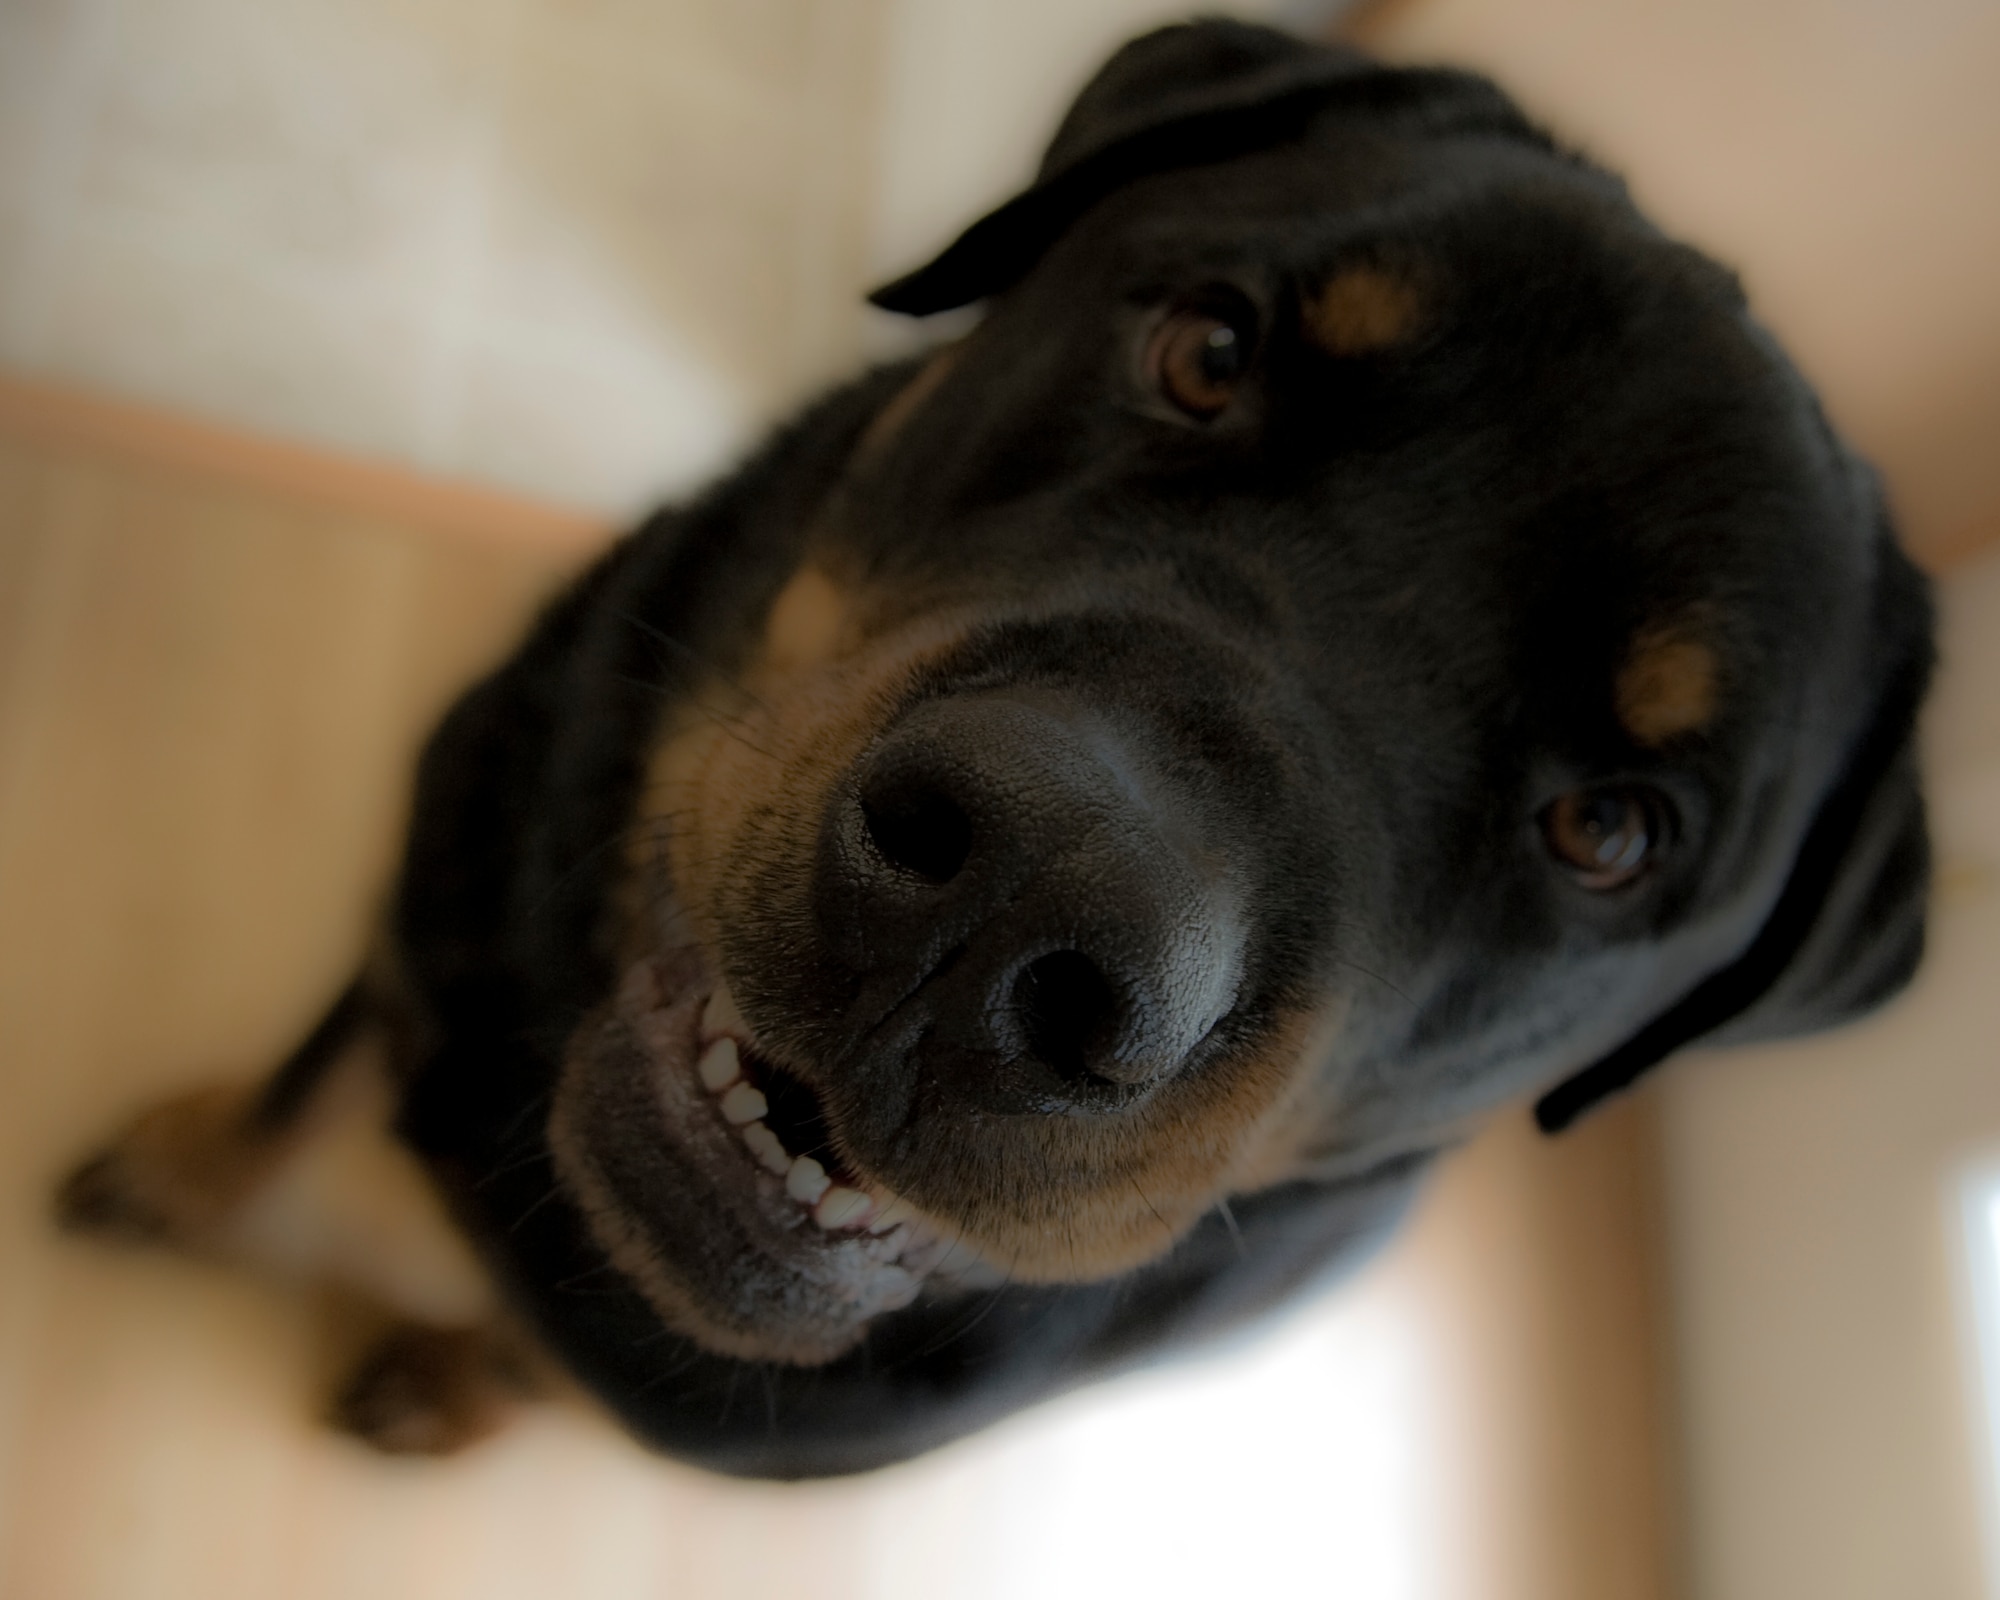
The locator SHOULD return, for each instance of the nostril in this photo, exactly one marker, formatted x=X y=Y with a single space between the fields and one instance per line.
x=920 y=830
x=1068 y=1011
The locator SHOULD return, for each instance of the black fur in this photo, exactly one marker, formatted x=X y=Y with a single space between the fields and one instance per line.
x=1432 y=557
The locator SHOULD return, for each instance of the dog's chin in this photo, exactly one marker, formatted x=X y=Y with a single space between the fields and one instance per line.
x=709 y=1177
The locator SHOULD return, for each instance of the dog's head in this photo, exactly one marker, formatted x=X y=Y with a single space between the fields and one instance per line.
x=1363 y=630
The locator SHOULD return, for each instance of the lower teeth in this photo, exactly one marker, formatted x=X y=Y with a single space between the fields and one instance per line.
x=720 y=1066
x=772 y=1156
x=807 y=1181
x=841 y=1207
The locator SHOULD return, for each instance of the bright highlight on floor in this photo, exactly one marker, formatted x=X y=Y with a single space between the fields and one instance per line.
x=1311 y=1453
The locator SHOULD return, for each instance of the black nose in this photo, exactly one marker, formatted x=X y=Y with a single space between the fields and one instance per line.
x=1026 y=904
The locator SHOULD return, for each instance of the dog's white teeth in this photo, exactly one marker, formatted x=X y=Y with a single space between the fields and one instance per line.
x=721 y=1016
x=744 y=1103
x=771 y=1154
x=842 y=1207
x=806 y=1181
x=720 y=1066
x=744 y=1106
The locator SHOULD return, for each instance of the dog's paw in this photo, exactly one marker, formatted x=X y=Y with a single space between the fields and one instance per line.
x=431 y=1391
x=173 y=1176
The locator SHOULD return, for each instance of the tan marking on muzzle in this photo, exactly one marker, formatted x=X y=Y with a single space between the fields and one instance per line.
x=1360 y=310
x=1666 y=688
x=742 y=771
x=1081 y=1198
x=1054 y=1199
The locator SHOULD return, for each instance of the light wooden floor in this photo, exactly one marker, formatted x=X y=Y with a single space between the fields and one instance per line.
x=216 y=660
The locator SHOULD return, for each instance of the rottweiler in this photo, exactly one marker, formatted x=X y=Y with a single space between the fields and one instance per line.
x=1031 y=870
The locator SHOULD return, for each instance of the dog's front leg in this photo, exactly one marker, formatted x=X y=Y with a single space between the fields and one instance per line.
x=301 y=1178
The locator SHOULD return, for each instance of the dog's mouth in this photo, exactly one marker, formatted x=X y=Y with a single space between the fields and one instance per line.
x=712 y=1177
x=783 y=1125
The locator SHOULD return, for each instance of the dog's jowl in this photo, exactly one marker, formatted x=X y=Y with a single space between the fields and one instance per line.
x=1363 y=631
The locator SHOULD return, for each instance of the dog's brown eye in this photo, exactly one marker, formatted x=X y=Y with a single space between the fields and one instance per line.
x=1605 y=837
x=1197 y=358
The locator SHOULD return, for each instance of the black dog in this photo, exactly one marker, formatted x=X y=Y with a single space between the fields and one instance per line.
x=1031 y=869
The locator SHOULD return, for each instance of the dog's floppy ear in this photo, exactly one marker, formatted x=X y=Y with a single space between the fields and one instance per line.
x=1848 y=928
x=1193 y=93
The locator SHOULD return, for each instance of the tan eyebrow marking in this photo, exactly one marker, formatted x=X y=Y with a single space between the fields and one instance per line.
x=1362 y=309
x=805 y=621
x=1667 y=686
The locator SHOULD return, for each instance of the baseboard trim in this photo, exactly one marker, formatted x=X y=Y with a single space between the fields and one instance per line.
x=56 y=417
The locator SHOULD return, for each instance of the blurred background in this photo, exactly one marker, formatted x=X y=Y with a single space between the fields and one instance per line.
x=333 y=333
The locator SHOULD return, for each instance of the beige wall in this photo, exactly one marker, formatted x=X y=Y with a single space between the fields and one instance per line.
x=579 y=248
